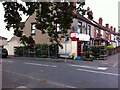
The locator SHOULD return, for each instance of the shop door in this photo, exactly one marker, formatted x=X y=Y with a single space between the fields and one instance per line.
x=79 y=49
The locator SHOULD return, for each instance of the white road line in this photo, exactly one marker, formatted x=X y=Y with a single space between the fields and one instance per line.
x=6 y=61
x=62 y=85
x=21 y=87
x=90 y=67
x=40 y=64
x=114 y=74
x=115 y=64
x=102 y=68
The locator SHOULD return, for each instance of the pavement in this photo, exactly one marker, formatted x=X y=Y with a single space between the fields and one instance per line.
x=112 y=61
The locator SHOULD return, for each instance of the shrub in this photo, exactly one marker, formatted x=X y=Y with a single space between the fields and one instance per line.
x=110 y=47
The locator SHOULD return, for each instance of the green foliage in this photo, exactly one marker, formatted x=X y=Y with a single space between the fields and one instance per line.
x=98 y=50
x=110 y=47
x=87 y=53
x=39 y=50
x=48 y=15
x=27 y=41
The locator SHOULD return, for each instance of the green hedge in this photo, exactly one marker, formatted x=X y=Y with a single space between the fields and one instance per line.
x=39 y=50
x=110 y=47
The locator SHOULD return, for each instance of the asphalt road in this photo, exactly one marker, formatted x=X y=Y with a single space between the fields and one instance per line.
x=36 y=73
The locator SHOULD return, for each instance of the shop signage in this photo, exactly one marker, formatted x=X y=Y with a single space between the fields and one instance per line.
x=84 y=37
x=73 y=36
x=81 y=37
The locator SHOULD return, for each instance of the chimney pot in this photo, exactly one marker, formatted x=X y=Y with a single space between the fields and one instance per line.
x=114 y=29
x=107 y=26
x=100 y=21
x=111 y=28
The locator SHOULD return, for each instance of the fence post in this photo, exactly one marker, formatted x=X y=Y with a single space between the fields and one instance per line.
x=56 y=45
x=48 y=51
x=23 y=52
x=41 y=50
x=34 y=50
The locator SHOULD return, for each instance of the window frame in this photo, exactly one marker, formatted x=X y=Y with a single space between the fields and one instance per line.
x=33 y=29
x=97 y=31
x=89 y=29
x=79 y=27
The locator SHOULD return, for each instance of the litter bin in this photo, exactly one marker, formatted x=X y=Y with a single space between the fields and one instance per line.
x=78 y=58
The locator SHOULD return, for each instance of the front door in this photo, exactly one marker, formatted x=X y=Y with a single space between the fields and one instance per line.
x=79 y=48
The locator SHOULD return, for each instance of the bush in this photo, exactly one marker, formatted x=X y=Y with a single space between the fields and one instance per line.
x=110 y=47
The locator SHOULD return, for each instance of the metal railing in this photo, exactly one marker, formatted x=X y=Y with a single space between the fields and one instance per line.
x=37 y=51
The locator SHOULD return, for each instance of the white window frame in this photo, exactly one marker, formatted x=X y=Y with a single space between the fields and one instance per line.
x=79 y=27
x=33 y=29
x=89 y=29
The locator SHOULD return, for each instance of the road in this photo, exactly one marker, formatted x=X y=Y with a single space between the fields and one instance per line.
x=36 y=73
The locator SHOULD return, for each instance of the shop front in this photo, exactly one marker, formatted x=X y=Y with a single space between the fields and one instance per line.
x=78 y=41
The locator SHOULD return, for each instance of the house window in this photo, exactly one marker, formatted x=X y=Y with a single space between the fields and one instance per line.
x=33 y=29
x=89 y=30
x=79 y=27
x=97 y=32
x=102 y=33
x=74 y=28
x=58 y=28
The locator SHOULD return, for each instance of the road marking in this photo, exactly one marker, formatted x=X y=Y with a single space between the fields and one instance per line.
x=90 y=67
x=7 y=61
x=99 y=72
x=63 y=85
x=54 y=66
x=102 y=68
x=21 y=87
x=41 y=64
x=115 y=64
x=40 y=80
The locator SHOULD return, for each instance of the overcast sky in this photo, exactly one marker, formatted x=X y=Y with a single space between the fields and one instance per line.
x=107 y=9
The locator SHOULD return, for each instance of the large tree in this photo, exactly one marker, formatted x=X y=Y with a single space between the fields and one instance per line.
x=48 y=15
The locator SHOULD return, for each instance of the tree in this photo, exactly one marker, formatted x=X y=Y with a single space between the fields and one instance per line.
x=48 y=15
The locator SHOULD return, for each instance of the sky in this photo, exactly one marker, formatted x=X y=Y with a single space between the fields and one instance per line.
x=107 y=9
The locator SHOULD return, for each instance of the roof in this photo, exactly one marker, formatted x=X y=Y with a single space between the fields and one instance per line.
x=14 y=38
x=3 y=38
x=94 y=23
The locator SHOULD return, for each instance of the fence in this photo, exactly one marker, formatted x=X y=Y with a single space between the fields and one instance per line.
x=42 y=50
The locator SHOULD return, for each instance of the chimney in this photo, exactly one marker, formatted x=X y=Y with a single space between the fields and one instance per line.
x=115 y=30
x=100 y=21
x=107 y=26
x=111 y=28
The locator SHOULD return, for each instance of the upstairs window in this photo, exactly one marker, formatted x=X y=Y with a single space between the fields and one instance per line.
x=102 y=33
x=74 y=28
x=33 y=29
x=89 y=30
x=79 y=27
x=97 y=32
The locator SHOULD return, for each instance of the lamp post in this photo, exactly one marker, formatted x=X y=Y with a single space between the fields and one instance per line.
x=65 y=39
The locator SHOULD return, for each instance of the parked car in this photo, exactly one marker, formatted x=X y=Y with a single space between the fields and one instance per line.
x=3 y=53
